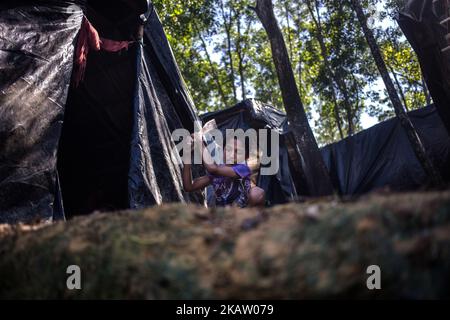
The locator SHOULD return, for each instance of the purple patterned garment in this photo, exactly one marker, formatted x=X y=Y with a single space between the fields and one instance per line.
x=232 y=190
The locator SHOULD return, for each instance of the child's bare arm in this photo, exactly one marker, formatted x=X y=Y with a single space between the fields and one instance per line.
x=196 y=184
x=223 y=171
x=213 y=168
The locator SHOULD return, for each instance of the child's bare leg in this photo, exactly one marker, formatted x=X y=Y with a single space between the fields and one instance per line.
x=256 y=197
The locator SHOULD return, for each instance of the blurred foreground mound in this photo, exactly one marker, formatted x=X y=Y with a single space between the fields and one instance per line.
x=312 y=250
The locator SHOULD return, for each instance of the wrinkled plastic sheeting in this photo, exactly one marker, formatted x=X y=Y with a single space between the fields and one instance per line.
x=420 y=22
x=154 y=175
x=169 y=73
x=36 y=55
x=382 y=156
x=162 y=104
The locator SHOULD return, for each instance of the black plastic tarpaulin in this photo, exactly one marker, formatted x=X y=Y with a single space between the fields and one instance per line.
x=109 y=139
x=420 y=21
x=382 y=156
x=36 y=56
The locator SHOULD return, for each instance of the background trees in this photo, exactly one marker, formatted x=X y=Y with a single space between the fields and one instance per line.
x=224 y=54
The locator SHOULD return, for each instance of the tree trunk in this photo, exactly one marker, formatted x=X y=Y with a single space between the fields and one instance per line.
x=416 y=143
x=316 y=173
x=342 y=85
x=337 y=116
x=399 y=87
x=213 y=69
x=227 y=21
x=232 y=76
x=337 y=79
x=286 y=12
x=331 y=75
x=299 y=53
x=240 y=54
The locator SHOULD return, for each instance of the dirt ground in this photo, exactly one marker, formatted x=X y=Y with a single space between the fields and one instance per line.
x=318 y=249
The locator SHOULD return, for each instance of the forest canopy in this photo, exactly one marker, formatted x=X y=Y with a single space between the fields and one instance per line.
x=225 y=57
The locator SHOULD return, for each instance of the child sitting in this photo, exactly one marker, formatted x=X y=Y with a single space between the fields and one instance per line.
x=231 y=182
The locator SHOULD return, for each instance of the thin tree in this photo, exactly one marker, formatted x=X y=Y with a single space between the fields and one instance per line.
x=331 y=76
x=288 y=25
x=399 y=86
x=417 y=145
x=316 y=173
x=241 y=49
x=228 y=25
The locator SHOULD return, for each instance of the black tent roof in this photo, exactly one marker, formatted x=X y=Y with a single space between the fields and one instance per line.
x=382 y=156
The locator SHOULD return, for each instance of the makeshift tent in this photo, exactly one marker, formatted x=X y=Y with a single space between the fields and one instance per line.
x=375 y=158
x=287 y=183
x=426 y=24
x=113 y=129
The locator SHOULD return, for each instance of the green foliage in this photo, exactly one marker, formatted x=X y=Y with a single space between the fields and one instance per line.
x=404 y=66
x=225 y=56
